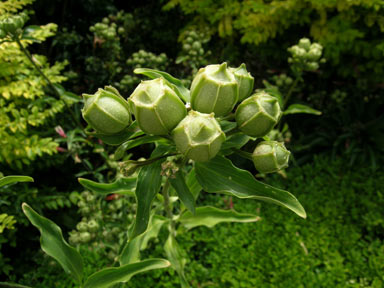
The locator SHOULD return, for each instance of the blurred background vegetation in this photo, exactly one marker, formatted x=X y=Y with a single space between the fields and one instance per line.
x=338 y=156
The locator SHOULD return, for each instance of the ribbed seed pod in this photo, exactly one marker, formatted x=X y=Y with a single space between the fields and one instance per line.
x=106 y=111
x=244 y=80
x=156 y=107
x=258 y=114
x=198 y=136
x=214 y=89
x=270 y=156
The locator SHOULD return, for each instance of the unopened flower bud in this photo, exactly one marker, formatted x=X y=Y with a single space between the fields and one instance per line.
x=305 y=43
x=82 y=226
x=85 y=237
x=106 y=111
x=198 y=136
x=93 y=226
x=258 y=114
x=270 y=156
x=214 y=89
x=156 y=107
x=244 y=80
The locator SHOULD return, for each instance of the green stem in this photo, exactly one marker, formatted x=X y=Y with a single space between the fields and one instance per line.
x=167 y=206
x=243 y=154
x=50 y=84
x=290 y=91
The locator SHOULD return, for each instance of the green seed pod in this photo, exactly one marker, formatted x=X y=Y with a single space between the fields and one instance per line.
x=156 y=107
x=82 y=226
x=106 y=111
x=214 y=89
x=85 y=237
x=270 y=156
x=198 y=136
x=244 y=80
x=93 y=226
x=258 y=114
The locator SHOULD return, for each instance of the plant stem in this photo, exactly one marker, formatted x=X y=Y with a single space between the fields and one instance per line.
x=290 y=91
x=167 y=206
x=243 y=154
x=50 y=84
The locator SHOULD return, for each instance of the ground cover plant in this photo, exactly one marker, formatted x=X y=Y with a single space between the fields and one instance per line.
x=134 y=171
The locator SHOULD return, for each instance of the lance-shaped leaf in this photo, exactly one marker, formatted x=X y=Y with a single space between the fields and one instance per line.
x=116 y=139
x=210 y=216
x=301 y=109
x=220 y=176
x=182 y=190
x=120 y=186
x=12 y=285
x=131 y=251
x=53 y=243
x=148 y=185
x=192 y=183
x=177 y=85
x=13 y=179
x=109 y=276
x=236 y=141
x=174 y=255
x=120 y=151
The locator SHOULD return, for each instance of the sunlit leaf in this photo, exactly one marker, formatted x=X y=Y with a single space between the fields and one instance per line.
x=301 y=109
x=13 y=179
x=120 y=186
x=12 y=285
x=192 y=183
x=210 y=216
x=109 y=276
x=131 y=251
x=174 y=255
x=182 y=190
x=53 y=243
x=148 y=185
x=219 y=175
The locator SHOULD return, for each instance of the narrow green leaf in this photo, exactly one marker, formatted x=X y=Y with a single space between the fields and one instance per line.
x=120 y=186
x=53 y=243
x=300 y=109
x=13 y=179
x=182 y=190
x=227 y=126
x=174 y=255
x=237 y=141
x=121 y=137
x=210 y=216
x=131 y=251
x=148 y=185
x=220 y=176
x=120 y=151
x=178 y=86
x=192 y=183
x=109 y=276
x=12 y=285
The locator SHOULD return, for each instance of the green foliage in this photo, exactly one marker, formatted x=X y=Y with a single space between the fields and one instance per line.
x=6 y=222
x=345 y=28
x=25 y=107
